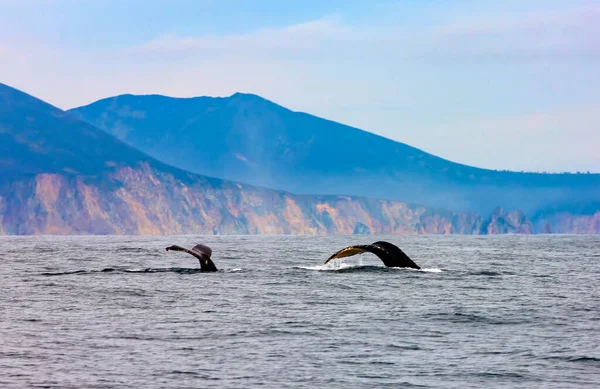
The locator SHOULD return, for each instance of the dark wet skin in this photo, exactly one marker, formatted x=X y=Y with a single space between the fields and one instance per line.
x=202 y=253
x=390 y=254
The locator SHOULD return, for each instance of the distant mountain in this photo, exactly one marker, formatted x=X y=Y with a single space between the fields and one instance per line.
x=36 y=137
x=249 y=139
x=59 y=175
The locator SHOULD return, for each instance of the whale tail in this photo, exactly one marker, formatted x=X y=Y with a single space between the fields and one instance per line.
x=390 y=254
x=201 y=252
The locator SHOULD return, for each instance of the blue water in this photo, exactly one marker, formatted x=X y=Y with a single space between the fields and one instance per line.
x=494 y=311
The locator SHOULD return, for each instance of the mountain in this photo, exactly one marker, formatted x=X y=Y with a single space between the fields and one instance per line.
x=60 y=175
x=250 y=139
x=36 y=137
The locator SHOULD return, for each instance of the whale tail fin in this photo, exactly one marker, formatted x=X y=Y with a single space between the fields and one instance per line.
x=400 y=259
x=201 y=252
x=390 y=254
x=350 y=251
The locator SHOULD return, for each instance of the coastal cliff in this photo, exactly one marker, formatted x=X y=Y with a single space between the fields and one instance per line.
x=143 y=200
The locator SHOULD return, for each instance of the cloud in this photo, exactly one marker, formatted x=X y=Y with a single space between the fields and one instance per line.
x=550 y=34
x=307 y=38
x=563 y=34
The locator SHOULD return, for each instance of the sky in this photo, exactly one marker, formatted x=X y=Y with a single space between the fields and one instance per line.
x=496 y=84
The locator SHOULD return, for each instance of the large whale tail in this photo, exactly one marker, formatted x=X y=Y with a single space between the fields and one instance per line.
x=201 y=252
x=390 y=254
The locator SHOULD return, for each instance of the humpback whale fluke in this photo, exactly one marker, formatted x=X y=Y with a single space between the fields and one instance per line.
x=390 y=254
x=201 y=252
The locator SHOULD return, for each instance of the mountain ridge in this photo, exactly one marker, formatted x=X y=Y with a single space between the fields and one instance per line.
x=75 y=110
x=247 y=138
x=64 y=176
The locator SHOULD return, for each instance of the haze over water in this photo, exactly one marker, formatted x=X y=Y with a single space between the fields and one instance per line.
x=493 y=311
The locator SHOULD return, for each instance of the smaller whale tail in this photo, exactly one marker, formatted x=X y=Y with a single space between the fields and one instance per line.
x=201 y=252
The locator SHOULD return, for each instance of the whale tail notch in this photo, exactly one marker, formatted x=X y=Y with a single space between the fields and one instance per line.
x=201 y=252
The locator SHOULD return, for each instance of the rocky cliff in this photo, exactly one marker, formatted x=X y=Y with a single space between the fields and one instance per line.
x=143 y=200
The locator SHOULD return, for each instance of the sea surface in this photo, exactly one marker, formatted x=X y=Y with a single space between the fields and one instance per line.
x=121 y=312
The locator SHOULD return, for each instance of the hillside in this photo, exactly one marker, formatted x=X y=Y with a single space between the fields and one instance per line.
x=64 y=176
x=249 y=139
x=36 y=137
x=61 y=175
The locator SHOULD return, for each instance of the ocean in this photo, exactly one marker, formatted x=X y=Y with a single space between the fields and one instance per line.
x=485 y=311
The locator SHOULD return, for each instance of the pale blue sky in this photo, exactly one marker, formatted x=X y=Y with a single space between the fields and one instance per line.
x=497 y=84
